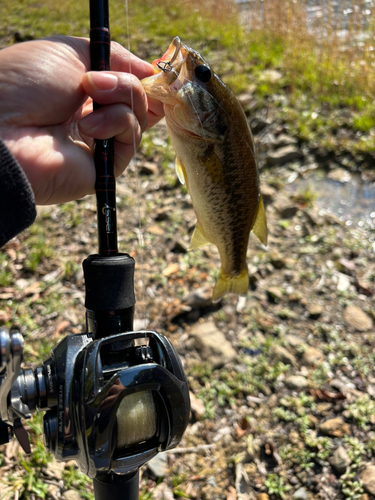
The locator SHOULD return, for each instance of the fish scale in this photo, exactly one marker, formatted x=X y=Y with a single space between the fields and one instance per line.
x=215 y=159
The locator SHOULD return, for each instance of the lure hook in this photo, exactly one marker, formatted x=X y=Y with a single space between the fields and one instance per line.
x=166 y=66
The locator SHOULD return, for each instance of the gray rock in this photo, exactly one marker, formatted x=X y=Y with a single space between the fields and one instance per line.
x=276 y=259
x=285 y=207
x=271 y=75
x=343 y=282
x=163 y=214
x=283 y=155
x=272 y=401
x=315 y=310
x=158 y=465
x=211 y=481
x=149 y=168
x=268 y=193
x=364 y=497
x=294 y=340
x=247 y=101
x=312 y=356
x=162 y=492
x=275 y=293
x=296 y=382
x=55 y=469
x=243 y=488
x=196 y=406
x=180 y=246
x=342 y=385
x=300 y=494
x=71 y=495
x=357 y=319
x=340 y=460
x=367 y=477
x=283 y=140
x=339 y=175
x=201 y=297
x=313 y=217
x=334 y=427
x=346 y=266
x=282 y=354
x=288 y=211
x=212 y=345
x=257 y=124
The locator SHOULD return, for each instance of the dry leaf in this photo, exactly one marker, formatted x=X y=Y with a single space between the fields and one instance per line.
x=197 y=406
x=61 y=327
x=242 y=428
x=326 y=395
x=171 y=269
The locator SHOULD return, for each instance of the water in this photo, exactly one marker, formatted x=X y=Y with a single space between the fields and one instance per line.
x=352 y=202
x=322 y=17
x=349 y=20
x=339 y=14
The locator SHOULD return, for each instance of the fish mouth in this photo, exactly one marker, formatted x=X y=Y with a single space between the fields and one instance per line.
x=166 y=62
x=166 y=71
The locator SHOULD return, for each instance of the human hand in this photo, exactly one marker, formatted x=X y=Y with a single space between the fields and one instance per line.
x=45 y=112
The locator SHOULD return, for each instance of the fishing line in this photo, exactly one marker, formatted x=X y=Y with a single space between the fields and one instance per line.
x=200 y=122
x=137 y=176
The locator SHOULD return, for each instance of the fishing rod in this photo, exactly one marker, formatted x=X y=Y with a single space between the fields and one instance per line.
x=105 y=185
x=113 y=397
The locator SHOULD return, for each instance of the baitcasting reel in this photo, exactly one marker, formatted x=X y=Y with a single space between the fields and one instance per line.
x=111 y=403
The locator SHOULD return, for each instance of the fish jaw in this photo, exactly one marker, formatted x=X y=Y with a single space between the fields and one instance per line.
x=158 y=86
x=188 y=106
x=167 y=71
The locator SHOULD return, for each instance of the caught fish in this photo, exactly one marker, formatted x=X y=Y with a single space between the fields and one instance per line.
x=215 y=159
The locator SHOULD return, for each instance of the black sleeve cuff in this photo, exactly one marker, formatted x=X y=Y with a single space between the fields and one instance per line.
x=17 y=205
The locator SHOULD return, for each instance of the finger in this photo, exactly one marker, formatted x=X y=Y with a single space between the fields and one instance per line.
x=115 y=120
x=155 y=112
x=123 y=155
x=109 y=88
x=121 y=59
x=124 y=61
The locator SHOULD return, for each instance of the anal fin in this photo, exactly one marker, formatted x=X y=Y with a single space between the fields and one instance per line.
x=198 y=239
x=260 y=224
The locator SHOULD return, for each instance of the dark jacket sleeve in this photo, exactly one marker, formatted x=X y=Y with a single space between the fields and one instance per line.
x=17 y=205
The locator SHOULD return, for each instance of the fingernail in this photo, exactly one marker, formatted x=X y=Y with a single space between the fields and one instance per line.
x=101 y=80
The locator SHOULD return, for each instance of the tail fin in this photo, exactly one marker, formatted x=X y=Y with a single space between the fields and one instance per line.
x=235 y=284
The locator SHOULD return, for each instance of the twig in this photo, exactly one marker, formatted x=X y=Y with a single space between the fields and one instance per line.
x=193 y=449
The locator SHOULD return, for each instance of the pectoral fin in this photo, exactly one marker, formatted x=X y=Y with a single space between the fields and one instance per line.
x=198 y=239
x=260 y=224
x=180 y=171
x=212 y=164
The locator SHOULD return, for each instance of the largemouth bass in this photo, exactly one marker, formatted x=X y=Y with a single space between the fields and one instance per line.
x=215 y=159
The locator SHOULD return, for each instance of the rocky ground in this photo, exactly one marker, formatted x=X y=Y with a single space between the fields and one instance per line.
x=282 y=382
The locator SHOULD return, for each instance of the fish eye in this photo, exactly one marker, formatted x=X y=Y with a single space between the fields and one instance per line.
x=203 y=73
